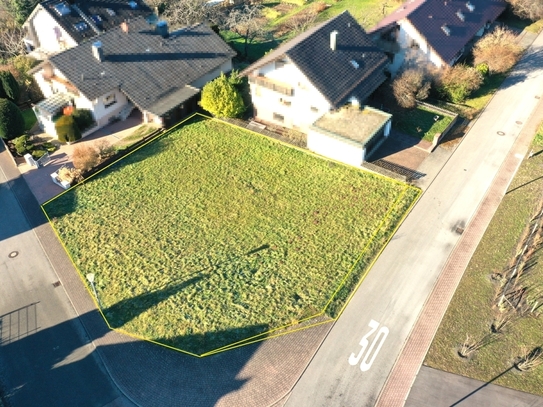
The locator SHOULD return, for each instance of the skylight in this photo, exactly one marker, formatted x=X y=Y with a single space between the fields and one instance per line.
x=446 y=29
x=460 y=15
x=81 y=26
x=470 y=6
x=62 y=9
x=354 y=63
x=133 y=4
x=110 y=12
x=96 y=18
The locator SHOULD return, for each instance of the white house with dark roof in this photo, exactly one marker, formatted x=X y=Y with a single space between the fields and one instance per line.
x=320 y=71
x=136 y=65
x=56 y=25
x=326 y=67
x=437 y=31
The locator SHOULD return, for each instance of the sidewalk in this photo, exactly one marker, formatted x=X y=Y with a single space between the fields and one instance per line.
x=401 y=378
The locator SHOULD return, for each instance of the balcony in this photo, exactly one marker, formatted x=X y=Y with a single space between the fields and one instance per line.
x=67 y=84
x=276 y=86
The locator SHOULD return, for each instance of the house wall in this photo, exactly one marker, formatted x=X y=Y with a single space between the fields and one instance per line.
x=52 y=37
x=406 y=35
x=337 y=148
x=225 y=67
x=104 y=114
x=299 y=114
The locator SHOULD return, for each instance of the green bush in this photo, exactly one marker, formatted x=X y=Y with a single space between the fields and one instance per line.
x=12 y=122
x=22 y=145
x=10 y=86
x=221 y=98
x=482 y=68
x=67 y=129
x=37 y=154
x=83 y=118
x=49 y=147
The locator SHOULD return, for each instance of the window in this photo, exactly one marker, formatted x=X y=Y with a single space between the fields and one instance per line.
x=110 y=100
x=446 y=29
x=314 y=109
x=97 y=19
x=62 y=9
x=81 y=26
x=280 y=64
x=285 y=102
x=110 y=12
x=278 y=117
x=258 y=91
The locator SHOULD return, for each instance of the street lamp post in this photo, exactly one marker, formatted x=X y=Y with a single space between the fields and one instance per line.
x=90 y=278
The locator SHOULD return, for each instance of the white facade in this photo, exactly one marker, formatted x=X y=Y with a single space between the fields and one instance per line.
x=224 y=68
x=412 y=43
x=51 y=36
x=336 y=148
x=297 y=111
x=104 y=108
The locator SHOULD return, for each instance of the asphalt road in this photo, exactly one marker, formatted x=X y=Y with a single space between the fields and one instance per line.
x=45 y=358
x=354 y=361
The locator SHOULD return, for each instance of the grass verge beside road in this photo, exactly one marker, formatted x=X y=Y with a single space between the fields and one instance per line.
x=212 y=234
x=471 y=311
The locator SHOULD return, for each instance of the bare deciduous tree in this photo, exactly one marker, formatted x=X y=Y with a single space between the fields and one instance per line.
x=301 y=21
x=187 y=12
x=11 y=41
x=531 y=9
x=246 y=22
x=498 y=49
x=409 y=87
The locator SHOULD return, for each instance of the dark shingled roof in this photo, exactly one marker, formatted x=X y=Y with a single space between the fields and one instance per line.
x=95 y=15
x=153 y=72
x=331 y=72
x=461 y=32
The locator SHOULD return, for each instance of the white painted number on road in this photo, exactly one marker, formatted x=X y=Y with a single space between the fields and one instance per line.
x=380 y=337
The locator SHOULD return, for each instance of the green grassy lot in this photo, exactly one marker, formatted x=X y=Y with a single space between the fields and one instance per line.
x=137 y=135
x=419 y=122
x=481 y=96
x=366 y=12
x=471 y=312
x=212 y=234
x=30 y=118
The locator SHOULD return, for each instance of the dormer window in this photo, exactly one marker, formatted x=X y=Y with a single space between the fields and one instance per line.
x=81 y=26
x=446 y=29
x=470 y=6
x=62 y=9
x=461 y=15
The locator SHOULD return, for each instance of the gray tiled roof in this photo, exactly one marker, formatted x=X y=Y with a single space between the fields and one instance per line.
x=143 y=65
x=431 y=15
x=331 y=72
x=120 y=8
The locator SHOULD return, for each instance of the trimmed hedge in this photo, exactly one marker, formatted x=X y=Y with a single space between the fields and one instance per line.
x=12 y=122
x=83 y=118
x=67 y=129
x=9 y=86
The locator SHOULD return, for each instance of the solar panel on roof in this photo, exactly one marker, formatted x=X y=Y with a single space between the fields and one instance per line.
x=62 y=9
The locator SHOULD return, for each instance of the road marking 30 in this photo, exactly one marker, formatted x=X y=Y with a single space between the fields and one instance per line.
x=380 y=337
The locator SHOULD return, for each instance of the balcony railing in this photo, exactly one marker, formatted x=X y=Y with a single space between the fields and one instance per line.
x=69 y=86
x=267 y=83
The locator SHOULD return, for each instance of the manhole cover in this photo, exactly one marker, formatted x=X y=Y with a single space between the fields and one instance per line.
x=501 y=133
x=13 y=254
x=56 y=284
x=518 y=122
x=459 y=230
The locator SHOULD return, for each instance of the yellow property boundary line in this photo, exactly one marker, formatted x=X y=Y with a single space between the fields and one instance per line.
x=267 y=334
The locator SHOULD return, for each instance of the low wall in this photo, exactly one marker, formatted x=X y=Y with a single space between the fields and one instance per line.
x=439 y=136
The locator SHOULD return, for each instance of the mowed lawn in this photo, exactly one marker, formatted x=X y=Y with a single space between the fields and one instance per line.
x=213 y=234
x=472 y=310
x=420 y=123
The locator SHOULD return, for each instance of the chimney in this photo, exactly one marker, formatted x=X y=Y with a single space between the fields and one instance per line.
x=162 y=28
x=124 y=27
x=333 y=40
x=98 y=51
